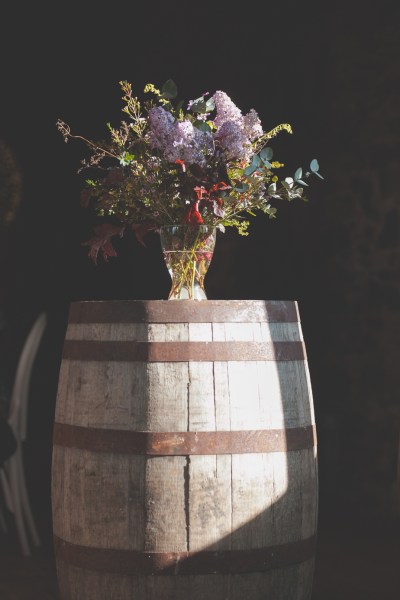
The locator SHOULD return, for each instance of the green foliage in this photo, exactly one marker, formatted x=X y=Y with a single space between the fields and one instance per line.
x=314 y=166
x=169 y=91
x=126 y=159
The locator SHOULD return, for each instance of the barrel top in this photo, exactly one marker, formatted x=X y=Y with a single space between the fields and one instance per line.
x=184 y=311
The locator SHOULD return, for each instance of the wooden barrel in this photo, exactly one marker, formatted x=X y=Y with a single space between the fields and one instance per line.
x=184 y=459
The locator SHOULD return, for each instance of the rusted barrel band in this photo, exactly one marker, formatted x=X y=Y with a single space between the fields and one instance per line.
x=184 y=311
x=182 y=351
x=135 y=562
x=184 y=443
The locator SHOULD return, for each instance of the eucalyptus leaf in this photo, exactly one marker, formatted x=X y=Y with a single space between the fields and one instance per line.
x=241 y=187
x=169 y=90
x=314 y=166
x=210 y=105
x=298 y=175
x=272 y=212
x=256 y=162
x=199 y=105
x=319 y=174
x=272 y=188
x=266 y=154
x=289 y=181
x=302 y=182
x=250 y=170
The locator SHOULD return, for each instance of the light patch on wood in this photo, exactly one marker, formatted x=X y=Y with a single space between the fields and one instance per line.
x=252 y=493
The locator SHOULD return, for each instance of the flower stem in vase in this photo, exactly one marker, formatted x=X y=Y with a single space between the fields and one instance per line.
x=187 y=252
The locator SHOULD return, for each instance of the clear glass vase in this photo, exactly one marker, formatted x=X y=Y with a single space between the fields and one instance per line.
x=188 y=251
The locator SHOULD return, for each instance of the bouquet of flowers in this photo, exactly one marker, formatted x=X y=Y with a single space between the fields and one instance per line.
x=202 y=164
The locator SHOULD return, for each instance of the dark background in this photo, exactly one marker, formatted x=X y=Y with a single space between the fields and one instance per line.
x=330 y=71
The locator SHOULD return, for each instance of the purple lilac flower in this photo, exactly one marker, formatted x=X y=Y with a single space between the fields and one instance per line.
x=178 y=140
x=188 y=143
x=252 y=125
x=160 y=121
x=233 y=140
x=235 y=132
x=226 y=110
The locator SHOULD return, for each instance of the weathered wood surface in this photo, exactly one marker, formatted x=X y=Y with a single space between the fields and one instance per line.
x=194 y=503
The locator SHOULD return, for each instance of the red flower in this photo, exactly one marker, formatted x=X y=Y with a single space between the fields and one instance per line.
x=182 y=163
x=219 y=186
x=193 y=216
x=200 y=192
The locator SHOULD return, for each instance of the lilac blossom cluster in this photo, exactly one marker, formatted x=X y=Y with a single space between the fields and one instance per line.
x=235 y=132
x=181 y=140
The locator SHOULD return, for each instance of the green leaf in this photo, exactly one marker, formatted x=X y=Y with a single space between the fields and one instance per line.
x=272 y=188
x=199 y=105
x=210 y=105
x=254 y=165
x=178 y=108
x=272 y=212
x=302 y=182
x=126 y=158
x=169 y=90
x=250 y=169
x=266 y=154
x=241 y=187
x=319 y=174
x=203 y=126
x=256 y=162
x=287 y=183
x=314 y=166
x=298 y=175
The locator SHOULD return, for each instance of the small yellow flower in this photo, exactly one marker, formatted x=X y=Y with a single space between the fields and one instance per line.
x=275 y=179
x=149 y=87
x=276 y=165
x=276 y=130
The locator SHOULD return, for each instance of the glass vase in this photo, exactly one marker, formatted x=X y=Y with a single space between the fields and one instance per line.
x=187 y=251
